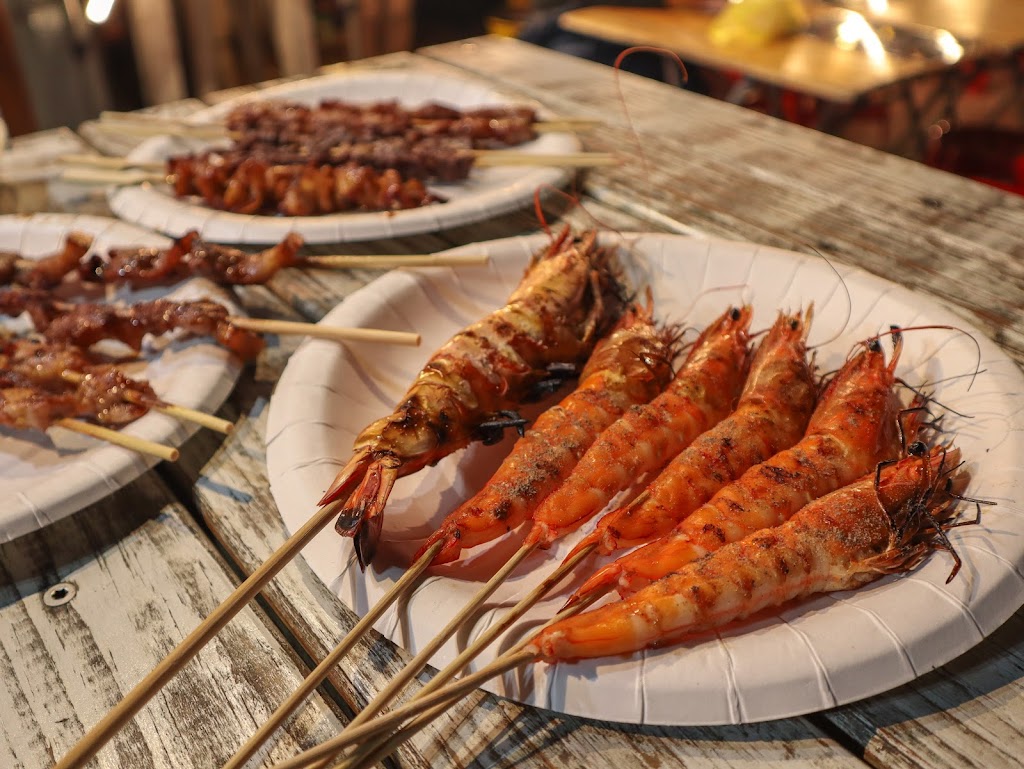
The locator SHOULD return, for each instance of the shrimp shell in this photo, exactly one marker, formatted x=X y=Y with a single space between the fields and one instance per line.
x=647 y=437
x=772 y=414
x=628 y=367
x=565 y=302
x=853 y=428
x=846 y=539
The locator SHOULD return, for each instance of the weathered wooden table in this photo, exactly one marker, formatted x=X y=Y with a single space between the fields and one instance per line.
x=144 y=566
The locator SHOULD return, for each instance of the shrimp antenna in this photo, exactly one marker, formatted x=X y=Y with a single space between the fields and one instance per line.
x=849 y=300
x=623 y=55
x=899 y=330
x=928 y=398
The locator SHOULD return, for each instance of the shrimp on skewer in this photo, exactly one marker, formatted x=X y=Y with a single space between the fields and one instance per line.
x=772 y=414
x=703 y=393
x=885 y=523
x=628 y=367
x=565 y=302
x=854 y=427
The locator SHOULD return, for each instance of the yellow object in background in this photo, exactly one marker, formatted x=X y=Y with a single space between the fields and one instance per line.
x=757 y=22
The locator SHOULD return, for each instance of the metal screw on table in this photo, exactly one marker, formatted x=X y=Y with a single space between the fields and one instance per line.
x=60 y=594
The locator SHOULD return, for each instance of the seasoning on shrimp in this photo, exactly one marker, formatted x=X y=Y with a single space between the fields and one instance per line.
x=703 y=392
x=566 y=301
x=878 y=525
x=772 y=414
x=854 y=427
x=629 y=366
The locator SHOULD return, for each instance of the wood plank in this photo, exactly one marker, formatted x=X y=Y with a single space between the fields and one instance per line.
x=144 y=575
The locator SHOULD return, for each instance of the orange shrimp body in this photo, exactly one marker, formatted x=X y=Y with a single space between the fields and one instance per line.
x=647 y=437
x=853 y=428
x=839 y=542
x=565 y=302
x=630 y=366
x=771 y=415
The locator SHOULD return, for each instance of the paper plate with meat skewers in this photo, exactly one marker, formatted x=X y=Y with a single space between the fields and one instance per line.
x=125 y=381
x=347 y=157
x=801 y=657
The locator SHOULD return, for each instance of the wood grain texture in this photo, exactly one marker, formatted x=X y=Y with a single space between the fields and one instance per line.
x=144 y=576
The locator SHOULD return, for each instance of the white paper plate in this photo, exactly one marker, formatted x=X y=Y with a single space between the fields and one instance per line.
x=487 y=193
x=45 y=477
x=820 y=653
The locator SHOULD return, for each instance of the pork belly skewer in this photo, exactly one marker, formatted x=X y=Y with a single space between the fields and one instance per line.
x=282 y=121
x=190 y=256
x=885 y=523
x=248 y=184
x=567 y=299
x=85 y=324
x=48 y=271
x=31 y=408
x=56 y=367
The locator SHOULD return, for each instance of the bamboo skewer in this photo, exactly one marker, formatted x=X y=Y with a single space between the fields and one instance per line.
x=140 y=445
x=201 y=418
x=485 y=639
x=134 y=701
x=491 y=158
x=332 y=333
x=316 y=677
x=340 y=261
x=110 y=162
x=377 y=750
x=403 y=677
x=390 y=720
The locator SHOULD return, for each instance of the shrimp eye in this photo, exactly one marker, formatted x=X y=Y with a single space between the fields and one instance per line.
x=875 y=346
x=735 y=315
x=794 y=324
x=917 y=449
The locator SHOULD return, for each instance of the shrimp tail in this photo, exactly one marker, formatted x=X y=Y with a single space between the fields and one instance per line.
x=450 y=551
x=375 y=483
x=600 y=582
x=345 y=481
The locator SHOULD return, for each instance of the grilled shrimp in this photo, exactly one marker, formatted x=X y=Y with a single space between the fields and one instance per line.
x=885 y=523
x=703 y=392
x=628 y=367
x=566 y=301
x=772 y=414
x=854 y=427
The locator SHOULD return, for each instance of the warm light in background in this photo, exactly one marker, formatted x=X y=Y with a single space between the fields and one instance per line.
x=878 y=6
x=855 y=30
x=98 y=11
x=950 y=47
